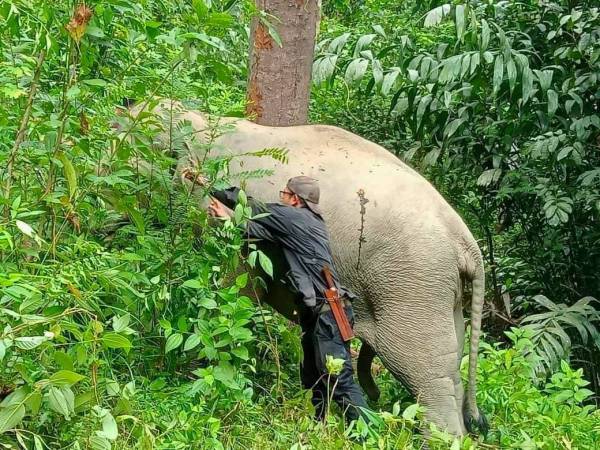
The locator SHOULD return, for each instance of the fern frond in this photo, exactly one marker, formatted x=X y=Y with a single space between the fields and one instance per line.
x=277 y=153
x=258 y=173
x=550 y=329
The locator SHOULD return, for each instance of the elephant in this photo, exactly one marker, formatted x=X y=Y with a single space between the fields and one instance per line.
x=407 y=256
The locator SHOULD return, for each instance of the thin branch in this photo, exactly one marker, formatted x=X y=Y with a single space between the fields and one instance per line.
x=23 y=127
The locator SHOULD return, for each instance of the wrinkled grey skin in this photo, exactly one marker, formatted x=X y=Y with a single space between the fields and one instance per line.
x=417 y=255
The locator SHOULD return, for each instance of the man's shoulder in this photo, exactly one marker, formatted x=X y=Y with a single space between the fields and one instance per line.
x=302 y=215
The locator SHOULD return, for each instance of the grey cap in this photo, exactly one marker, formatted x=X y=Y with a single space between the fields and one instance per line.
x=307 y=189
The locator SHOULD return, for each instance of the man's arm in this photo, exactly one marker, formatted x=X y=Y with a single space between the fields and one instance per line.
x=276 y=222
x=227 y=196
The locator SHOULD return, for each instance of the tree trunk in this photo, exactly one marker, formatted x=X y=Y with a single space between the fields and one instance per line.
x=279 y=81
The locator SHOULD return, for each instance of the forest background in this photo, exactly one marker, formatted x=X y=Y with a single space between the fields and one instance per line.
x=119 y=327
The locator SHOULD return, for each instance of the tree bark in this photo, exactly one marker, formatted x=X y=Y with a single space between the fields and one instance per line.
x=279 y=81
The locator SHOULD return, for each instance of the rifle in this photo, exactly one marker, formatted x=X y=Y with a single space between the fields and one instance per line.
x=336 y=307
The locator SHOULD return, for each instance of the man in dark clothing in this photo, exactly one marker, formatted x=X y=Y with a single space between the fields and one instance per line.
x=296 y=224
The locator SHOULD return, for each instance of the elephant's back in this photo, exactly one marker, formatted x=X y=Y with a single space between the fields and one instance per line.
x=344 y=164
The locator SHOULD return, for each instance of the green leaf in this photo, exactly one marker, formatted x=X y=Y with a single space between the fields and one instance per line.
x=452 y=126
x=116 y=340
x=65 y=378
x=25 y=228
x=485 y=35
x=337 y=44
x=356 y=70
x=120 y=323
x=545 y=78
x=323 y=69
x=582 y=394
x=11 y=416
x=29 y=342
x=435 y=16
x=511 y=73
x=62 y=401
x=465 y=64
x=238 y=213
x=191 y=342
x=31 y=304
x=410 y=412
x=552 y=102
x=450 y=69
x=379 y=30
x=459 y=12
x=136 y=217
x=423 y=104
x=207 y=303
x=527 y=84
x=38 y=443
x=588 y=177
x=240 y=352
x=475 y=60
x=50 y=140
x=173 y=342
x=100 y=443
x=242 y=280
x=193 y=284
x=377 y=72
x=94 y=31
x=563 y=396
x=362 y=43
x=95 y=82
x=564 y=152
x=431 y=157
x=413 y=75
x=400 y=107
x=110 y=430
x=389 y=80
x=498 y=72
x=489 y=176
x=70 y=173
x=224 y=372
x=272 y=31
x=265 y=263
x=546 y=302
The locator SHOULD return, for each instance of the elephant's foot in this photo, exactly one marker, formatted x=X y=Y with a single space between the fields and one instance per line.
x=440 y=401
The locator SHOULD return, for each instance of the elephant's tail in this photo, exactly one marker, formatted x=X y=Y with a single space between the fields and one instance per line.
x=363 y=369
x=474 y=418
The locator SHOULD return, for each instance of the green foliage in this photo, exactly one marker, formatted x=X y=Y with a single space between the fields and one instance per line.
x=93 y=306
x=551 y=329
x=528 y=412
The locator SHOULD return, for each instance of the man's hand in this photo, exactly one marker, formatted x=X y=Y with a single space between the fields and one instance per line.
x=218 y=209
x=192 y=173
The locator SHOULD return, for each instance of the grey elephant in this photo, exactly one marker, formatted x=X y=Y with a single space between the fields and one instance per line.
x=407 y=257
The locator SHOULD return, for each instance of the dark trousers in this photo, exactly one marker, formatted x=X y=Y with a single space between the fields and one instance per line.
x=321 y=337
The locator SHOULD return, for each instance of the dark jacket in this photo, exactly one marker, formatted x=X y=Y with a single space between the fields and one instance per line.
x=303 y=238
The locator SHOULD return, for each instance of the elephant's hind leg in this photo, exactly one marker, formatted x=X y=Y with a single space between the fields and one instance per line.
x=424 y=357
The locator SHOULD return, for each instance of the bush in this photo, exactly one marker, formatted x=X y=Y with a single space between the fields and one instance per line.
x=530 y=412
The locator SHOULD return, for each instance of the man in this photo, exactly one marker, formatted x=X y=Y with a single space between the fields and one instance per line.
x=296 y=224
